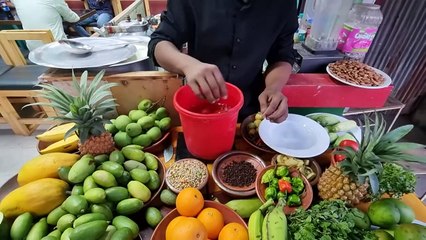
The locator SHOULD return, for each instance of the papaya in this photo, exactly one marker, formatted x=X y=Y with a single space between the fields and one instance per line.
x=39 y=198
x=45 y=166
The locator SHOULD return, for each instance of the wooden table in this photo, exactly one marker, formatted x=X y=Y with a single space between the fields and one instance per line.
x=82 y=13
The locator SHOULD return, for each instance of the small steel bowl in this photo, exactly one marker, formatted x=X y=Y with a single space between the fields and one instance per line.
x=184 y=161
x=225 y=159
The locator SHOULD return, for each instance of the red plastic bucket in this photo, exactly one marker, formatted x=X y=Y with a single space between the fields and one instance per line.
x=208 y=132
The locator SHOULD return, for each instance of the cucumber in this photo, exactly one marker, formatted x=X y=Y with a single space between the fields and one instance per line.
x=122 y=234
x=343 y=126
x=39 y=230
x=55 y=214
x=117 y=156
x=139 y=190
x=125 y=222
x=154 y=180
x=116 y=194
x=104 y=178
x=151 y=162
x=102 y=209
x=89 y=217
x=129 y=206
x=99 y=159
x=124 y=179
x=333 y=136
x=65 y=222
x=140 y=175
x=244 y=207
x=21 y=226
x=49 y=238
x=81 y=169
x=90 y=230
x=75 y=204
x=327 y=120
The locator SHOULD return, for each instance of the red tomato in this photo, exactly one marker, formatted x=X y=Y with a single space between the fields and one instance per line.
x=339 y=157
x=349 y=143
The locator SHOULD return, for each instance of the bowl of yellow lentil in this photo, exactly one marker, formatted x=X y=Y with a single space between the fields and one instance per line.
x=185 y=173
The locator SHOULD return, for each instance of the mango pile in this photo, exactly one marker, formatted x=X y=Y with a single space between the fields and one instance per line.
x=106 y=190
x=142 y=126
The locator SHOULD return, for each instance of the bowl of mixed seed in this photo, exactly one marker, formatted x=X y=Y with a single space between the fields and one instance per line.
x=185 y=173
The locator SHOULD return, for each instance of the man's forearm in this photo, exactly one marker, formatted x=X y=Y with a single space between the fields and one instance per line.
x=277 y=75
x=171 y=59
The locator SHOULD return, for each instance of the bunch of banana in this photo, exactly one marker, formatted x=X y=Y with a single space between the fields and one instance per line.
x=55 y=136
x=271 y=226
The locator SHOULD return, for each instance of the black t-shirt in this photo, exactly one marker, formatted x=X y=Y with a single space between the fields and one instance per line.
x=237 y=37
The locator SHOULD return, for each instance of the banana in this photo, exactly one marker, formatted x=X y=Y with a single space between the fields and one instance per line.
x=68 y=145
x=275 y=223
x=256 y=220
x=55 y=134
x=255 y=225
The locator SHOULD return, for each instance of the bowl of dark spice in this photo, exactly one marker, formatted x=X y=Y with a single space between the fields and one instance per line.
x=235 y=173
x=188 y=172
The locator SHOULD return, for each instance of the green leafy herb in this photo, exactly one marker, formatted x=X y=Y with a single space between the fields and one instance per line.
x=328 y=220
x=396 y=181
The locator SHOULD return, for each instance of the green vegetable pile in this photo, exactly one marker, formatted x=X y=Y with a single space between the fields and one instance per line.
x=329 y=220
x=395 y=181
x=282 y=185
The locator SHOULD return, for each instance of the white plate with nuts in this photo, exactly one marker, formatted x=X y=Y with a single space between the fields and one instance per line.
x=358 y=74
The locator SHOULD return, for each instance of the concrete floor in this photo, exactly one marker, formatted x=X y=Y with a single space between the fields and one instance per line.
x=16 y=150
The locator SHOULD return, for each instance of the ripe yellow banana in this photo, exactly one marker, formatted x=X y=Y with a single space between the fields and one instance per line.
x=55 y=134
x=68 y=145
x=275 y=224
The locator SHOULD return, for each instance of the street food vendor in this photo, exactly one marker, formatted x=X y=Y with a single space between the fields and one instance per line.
x=229 y=40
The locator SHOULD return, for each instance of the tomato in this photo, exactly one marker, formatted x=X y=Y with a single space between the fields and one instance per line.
x=349 y=143
x=345 y=143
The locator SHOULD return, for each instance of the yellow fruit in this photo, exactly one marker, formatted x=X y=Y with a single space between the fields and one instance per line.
x=189 y=202
x=188 y=228
x=55 y=134
x=38 y=197
x=233 y=231
x=212 y=219
x=65 y=145
x=45 y=166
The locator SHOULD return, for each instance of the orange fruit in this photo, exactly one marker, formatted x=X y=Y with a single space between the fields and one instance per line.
x=187 y=228
x=212 y=219
x=189 y=202
x=233 y=231
x=171 y=225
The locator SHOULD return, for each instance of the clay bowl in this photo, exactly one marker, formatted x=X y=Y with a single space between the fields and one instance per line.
x=228 y=215
x=238 y=156
x=313 y=165
x=159 y=145
x=253 y=139
x=187 y=161
x=155 y=196
x=307 y=195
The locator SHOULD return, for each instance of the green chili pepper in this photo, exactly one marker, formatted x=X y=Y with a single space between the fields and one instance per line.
x=294 y=200
x=274 y=183
x=268 y=176
x=281 y=195
x=288 y=179
x=297 y=184
x=270 y=193
x=282 y=171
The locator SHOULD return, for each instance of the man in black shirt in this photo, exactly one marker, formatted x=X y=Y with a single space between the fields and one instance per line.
x=229 y=40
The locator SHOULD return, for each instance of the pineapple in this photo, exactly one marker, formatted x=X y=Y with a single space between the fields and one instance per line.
x=352 y=179
x=87 y=109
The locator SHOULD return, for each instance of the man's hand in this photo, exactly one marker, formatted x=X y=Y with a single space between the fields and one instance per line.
x=206 y=81
x=273 y=105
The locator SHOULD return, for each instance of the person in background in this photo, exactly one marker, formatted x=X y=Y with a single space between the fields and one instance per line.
x=104 y=14
x=44 y=14
x=229 y=40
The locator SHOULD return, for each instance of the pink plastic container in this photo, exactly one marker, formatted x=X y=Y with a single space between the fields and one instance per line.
x=209 y=129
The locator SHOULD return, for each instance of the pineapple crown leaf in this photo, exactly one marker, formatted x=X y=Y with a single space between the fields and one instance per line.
x=397 y=134
x=374 y=183
x=70 y=131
